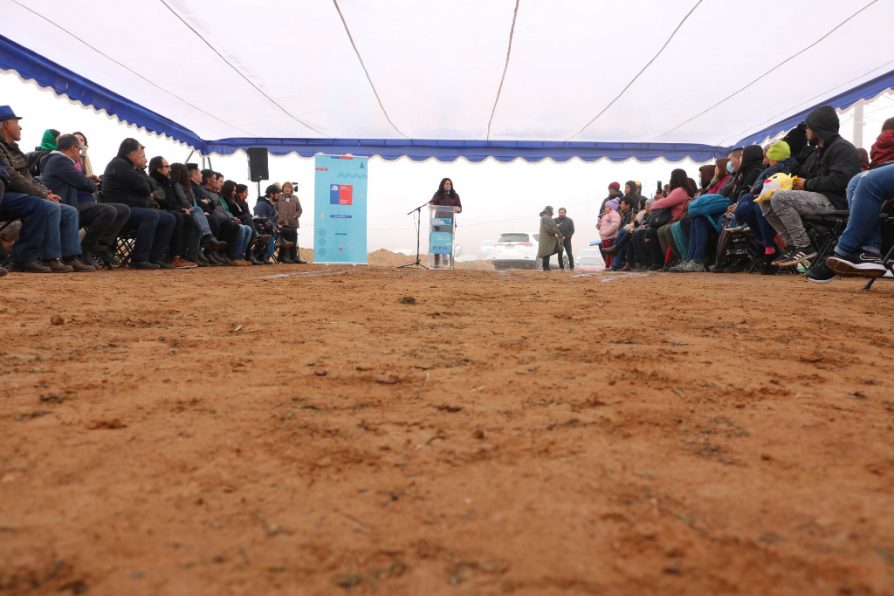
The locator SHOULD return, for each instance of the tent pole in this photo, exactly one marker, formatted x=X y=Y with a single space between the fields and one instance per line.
x=188 y=156
x=858 y=124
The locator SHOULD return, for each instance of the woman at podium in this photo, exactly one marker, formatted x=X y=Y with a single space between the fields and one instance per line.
x=445 y=196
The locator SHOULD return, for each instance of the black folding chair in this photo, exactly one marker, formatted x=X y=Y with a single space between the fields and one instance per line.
x=5 y=257
x=824 y=228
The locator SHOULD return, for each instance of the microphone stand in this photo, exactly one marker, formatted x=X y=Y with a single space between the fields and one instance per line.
x=418 y=212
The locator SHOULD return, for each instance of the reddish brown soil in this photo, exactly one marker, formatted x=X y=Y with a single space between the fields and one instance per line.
x=375 y=430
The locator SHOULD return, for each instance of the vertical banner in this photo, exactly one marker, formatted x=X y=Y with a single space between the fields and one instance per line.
x=340 y=206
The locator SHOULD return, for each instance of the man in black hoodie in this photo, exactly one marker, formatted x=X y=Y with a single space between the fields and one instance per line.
x=822 y=189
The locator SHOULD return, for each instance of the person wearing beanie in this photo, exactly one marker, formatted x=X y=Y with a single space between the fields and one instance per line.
x=823 y=189
x=614 y=192
x=778 y=151
x=748 y=213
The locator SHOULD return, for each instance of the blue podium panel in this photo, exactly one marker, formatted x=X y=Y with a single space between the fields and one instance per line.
x=340 y=209
x=441 y=236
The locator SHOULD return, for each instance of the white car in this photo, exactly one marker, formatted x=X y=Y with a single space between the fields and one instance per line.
x=517 y=250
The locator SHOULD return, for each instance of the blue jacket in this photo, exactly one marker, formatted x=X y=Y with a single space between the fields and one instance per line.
x=264 y=209
x=711 y=207
x=59 y=174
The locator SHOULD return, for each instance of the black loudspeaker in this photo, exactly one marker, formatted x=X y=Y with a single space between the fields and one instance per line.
x=257 y=164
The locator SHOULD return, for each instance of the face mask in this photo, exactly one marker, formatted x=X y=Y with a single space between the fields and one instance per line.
x=729 y=167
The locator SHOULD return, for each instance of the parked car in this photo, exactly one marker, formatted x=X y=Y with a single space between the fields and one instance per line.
x=589 y=259
x=517 y=250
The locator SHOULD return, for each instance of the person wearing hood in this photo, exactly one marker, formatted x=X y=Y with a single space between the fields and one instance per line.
x=124 y=181
x=48 y=140
x=550 y=241
x=706 y=211
x=858 y=250
x=778 y=160
x=837 y=162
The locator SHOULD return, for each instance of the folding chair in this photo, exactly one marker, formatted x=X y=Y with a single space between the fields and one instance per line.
x=124 y=246
x=5 y=257
x=886 y=220
x=824 y=228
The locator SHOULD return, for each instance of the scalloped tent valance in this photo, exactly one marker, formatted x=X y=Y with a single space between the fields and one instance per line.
x=504 y=79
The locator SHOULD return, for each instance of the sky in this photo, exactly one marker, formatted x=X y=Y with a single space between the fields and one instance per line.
x=497 y=197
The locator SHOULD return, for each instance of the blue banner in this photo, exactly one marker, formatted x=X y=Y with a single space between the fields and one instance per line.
x=340 y=205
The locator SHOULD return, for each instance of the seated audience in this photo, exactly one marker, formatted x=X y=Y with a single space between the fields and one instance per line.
x=49 y=229
x=103 y=221
x=820 y=187
x=185 y=237
x=858 y=251
x=125 y=182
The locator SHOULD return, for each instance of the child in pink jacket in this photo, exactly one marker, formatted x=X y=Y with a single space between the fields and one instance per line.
x=608 y=230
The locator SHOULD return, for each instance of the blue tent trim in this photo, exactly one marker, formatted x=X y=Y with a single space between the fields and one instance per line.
x=448 y=150
x=62 y=81
x=842 y=101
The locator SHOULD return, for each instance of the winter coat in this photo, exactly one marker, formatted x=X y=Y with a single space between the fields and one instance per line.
x=609 y=225
x=566 y=226
x=882 y=151
x=675 y=201
x=264 y=210
x=288 y=210
x=181 y=197
x=61 y=176
x=838 y=163
x=20 y=179
x=122 y=182
x=168 y=201
x=711 y=207
x=713 y=190
x=783 y=166
x=447 y=200
x=838 y=159
x=549 y=243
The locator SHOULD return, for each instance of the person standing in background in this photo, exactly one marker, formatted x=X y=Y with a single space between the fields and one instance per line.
x=288 y=211
x=566 y=230
x=550 y=241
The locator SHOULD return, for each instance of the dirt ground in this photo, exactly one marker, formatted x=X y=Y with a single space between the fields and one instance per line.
x=304 y=429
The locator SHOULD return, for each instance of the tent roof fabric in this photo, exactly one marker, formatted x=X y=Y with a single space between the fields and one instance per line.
x=417 y=78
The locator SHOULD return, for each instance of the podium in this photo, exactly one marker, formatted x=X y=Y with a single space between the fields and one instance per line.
x=441 y=236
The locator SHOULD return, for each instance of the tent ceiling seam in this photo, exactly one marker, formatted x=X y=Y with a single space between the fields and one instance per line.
x=641 y=71
x=239 y=72
x=124 y=66
x=781 y=64
x=493 y=110
x=365 y=71
x=779 y=115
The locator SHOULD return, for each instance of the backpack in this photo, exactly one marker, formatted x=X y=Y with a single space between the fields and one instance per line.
x=34 y=161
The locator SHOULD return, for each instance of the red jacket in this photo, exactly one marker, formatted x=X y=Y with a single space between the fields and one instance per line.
x=882 y=150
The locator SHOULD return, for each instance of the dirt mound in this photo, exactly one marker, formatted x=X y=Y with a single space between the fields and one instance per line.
x=409 y=431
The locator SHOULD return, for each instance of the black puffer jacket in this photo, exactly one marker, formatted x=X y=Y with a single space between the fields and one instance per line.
x=122 y=182
x=745 y=177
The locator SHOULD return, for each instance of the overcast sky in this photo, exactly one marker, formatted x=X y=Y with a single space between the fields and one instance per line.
x=497 y=197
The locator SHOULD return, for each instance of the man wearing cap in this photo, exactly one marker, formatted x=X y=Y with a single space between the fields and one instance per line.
x=823 y=190
x=49 y=229
x=550 y=241
x=265 y=211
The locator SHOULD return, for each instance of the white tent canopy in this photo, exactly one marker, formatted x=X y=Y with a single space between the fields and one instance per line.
x=508 y=78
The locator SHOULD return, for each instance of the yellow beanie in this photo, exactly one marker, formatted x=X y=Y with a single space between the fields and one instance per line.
x=779 y=151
